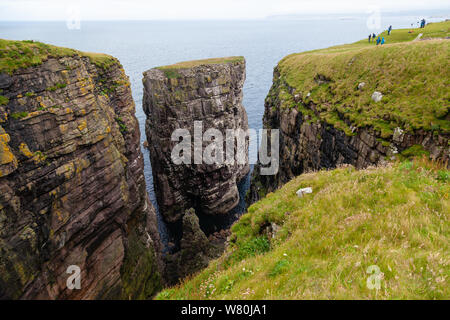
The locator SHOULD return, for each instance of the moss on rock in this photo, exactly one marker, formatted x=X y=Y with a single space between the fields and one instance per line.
x=140 y=277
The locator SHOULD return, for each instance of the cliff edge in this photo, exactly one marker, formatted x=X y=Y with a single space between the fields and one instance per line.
x=357 y=104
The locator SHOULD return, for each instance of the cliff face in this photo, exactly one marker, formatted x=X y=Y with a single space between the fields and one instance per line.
x=324 y=124
x=196 y=250
x=175 y=97
x=71 y=180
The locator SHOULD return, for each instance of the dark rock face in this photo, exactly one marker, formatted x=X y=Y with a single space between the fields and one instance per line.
x=174 y=99
x=196 y=250
x=307 y=145
x=72 y=185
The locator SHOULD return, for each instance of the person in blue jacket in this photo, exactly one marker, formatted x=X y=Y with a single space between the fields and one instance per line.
x=382 y=41
x=378 y=40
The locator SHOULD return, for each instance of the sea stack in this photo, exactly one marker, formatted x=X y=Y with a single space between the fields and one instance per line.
x=73 y=198
x=177 y=97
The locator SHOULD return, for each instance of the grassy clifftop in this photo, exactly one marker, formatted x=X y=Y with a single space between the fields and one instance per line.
x=321 y=246
x=196 y=63
x=15 y=55
x=171 y=71
x=411 y=75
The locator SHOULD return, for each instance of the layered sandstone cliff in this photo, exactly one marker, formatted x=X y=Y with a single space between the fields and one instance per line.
x=175 y=97
x=71 y=178
x=329 y=112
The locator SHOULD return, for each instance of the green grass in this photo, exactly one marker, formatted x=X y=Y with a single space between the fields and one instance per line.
x=15 y=55
x=122 y=126
x=394 y=217
x=171 y=71
x=55 y=87
x=412 y=76
x=415 y=151
x=196 y=63
x=3 y=101
x=436 y=30
x=19 y=115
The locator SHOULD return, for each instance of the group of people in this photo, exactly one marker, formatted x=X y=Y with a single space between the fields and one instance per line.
x=379 y=40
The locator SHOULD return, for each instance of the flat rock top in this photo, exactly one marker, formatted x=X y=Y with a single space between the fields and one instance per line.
x=196 y=63
x=172 y=71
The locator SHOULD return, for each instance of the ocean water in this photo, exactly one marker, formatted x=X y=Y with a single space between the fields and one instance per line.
x=143 y=45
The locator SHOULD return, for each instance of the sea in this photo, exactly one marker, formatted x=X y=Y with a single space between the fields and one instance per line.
x=142 y=45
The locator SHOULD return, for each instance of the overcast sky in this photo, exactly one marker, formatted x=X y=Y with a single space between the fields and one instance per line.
x=195 y=9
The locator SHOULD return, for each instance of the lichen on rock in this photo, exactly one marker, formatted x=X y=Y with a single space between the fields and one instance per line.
x=72 y=187
x=177 y=96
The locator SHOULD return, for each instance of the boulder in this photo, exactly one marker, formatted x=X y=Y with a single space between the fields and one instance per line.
x=377 y=96
x=302 y=192
x=399 y=135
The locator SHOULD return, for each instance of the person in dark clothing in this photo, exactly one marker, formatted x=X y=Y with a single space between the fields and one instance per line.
x=373 y=37
x=389 y=30
x=370 y=37
x=423 y=23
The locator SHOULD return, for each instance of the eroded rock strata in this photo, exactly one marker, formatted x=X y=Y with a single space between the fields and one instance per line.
x=175 y=97
x=72 y=188
x=196 y=250
x=309 y=143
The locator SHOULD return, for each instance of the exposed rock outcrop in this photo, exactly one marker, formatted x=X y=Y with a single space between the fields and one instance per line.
x=196 y=250
x=72 y=187
x=175 y=97
x=309 y=143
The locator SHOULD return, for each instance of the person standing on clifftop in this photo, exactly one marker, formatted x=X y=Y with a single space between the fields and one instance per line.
x=370 y=37
x=389 y=30
x=423 y=23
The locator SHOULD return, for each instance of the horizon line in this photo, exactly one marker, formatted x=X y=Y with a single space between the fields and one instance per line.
x=286 y=16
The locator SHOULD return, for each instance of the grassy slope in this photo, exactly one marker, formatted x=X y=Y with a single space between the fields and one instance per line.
x=395 y=217
x=15 y=55
x=413 y=77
